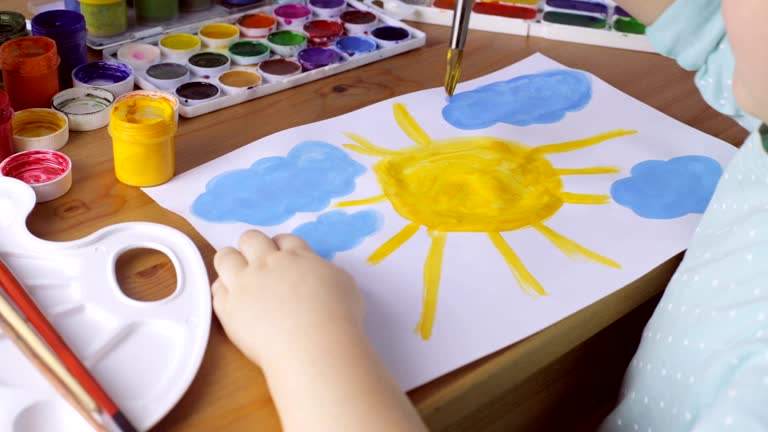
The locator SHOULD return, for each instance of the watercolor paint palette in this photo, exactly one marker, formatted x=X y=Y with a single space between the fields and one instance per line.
x=282 y=46
x=144 y=354
x=593 y=22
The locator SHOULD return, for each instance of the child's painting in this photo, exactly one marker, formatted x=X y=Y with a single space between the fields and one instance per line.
x=472 y=222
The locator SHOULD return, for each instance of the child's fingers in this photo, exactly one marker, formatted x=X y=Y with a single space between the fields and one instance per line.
x=288 y=242
x=255 y=244
x=218 y=288
x=229 y=262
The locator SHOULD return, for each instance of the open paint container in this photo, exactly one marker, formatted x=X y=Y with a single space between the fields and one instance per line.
x=47 y=172
x=115 y=77
x=266 y=49
x=86 y=108
x=39 y=128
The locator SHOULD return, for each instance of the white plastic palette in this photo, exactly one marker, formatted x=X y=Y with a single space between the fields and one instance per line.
x=608 y=37
x=417 y=39
x=144 y=354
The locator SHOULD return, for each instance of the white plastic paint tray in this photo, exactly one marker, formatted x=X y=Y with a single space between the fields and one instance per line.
x=417 y=40
x=144 y=354
x=608 y=37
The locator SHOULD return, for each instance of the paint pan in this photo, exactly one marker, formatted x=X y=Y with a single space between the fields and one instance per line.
x=139 y=56
x=387 y=36
x=238 y=81
x=358 y=22
x=317 y=57
x=47 y=172
x=256 y=26
x=208 y=64
x=218 y=35
x=86 y=108
x=327 y=9
x=505 y=10
x=579 y=13
x=197 y=92
x=179 y=47
x=624 y=22
x=167 y=76
x=292 y=16
x=248 y=52
x=287 y=43
x=115 y=77
x=354 y=45
x=40 y=129
x=276 y=70
x=323 y=32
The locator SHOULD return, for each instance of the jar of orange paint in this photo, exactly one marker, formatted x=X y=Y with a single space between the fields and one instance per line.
x=30 y=67
x=6 y=126
x=143 y=128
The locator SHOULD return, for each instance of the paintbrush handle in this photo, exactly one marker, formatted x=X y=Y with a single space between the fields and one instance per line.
x=27 y=306
x=461 y=14
x=35 y=349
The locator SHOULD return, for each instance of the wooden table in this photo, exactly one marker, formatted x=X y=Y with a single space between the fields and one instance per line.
x=567 y=374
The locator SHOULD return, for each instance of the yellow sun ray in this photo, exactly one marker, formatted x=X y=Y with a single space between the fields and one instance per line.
x=366 y=147
x=579 y=198
x=525 y=279
x=432 y=270
x=571 y=248
x=393 y=243
x=568 y=146
x=587 y=171
x=371 y=200
x=410 y=126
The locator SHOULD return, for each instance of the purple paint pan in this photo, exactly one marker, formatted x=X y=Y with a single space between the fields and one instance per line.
x=579 y=6
x=314 y=58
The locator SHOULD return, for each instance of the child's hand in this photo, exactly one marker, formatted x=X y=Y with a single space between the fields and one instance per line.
x=278 y=292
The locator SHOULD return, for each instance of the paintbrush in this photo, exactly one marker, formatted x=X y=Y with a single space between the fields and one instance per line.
x=459 y=30
x=35 y=349
x=40 y=323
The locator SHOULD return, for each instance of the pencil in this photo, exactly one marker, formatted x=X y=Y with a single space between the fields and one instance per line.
x=27 y=306
x=34 y=348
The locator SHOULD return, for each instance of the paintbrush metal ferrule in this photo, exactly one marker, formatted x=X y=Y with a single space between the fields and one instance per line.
x=453 y=70
x=459 y=30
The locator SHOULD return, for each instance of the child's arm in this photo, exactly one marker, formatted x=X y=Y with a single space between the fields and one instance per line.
x=645 y=10
x=301 y=319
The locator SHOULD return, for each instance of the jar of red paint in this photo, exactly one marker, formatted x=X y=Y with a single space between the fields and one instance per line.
x=30 y=70
x=6 y=126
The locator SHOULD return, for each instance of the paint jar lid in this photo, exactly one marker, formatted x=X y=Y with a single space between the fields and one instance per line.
x=59 y=24
x=12 y=25
x=29 y=55
x=6 y=112
x=47 y=172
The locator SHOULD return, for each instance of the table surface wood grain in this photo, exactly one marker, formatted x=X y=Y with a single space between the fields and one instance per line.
x=508 y=390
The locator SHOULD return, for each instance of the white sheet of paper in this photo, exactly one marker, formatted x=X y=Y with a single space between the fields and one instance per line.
x=481 y=307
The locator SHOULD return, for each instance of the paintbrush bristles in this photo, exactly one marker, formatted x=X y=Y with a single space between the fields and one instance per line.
x=453 y=70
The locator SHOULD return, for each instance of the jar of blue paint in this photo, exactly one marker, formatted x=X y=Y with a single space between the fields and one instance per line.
x=67 y=29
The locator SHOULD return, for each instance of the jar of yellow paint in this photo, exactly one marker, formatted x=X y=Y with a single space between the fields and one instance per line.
x=143 y=128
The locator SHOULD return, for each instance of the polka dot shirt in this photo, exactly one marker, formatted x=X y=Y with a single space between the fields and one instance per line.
x=702 y=364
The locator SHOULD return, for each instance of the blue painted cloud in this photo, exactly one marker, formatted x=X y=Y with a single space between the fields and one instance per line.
x=668 y=189
x=338 y=231
x=273 y=189
x=521 y=101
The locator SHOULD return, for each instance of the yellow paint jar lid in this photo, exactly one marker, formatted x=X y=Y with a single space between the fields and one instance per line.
x=40 y=129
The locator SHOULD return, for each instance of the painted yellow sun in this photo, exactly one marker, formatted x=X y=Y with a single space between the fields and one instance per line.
x=475 y=184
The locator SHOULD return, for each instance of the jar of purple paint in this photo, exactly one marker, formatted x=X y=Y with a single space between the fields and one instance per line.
x=67 y=29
